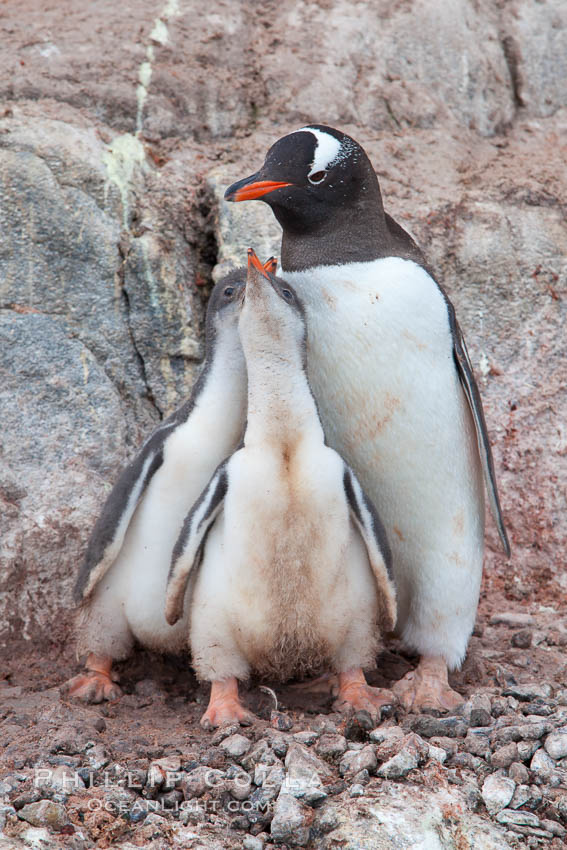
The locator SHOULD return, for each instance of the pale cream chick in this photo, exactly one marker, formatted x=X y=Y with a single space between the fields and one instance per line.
x=293 y=577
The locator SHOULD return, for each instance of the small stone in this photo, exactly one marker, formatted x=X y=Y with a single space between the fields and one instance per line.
x=362 y=777
x=480 y=717
x=384 y=734
x=538 y=708
x=468 y=761
x=428 y=727
x=358 y=726
x=512 y=619
x=521 y=796
x=508 y=816
x=97 y=757
x=356 y=791
x=506 y=735
x=331 y=747
x=252 y=842
x=522 y=639
x=499 y=706
x=528 y=691
x=554 y=827
x=199 y=780
x=290 y=823
x=164 y=773
x=304 y=771
x=279 y=745
x=556 y=744
x=450 y=745
x=542 y=765
x=365 y=759
x=497 y=792
x=437 y=754
x=477 y=703
x=307 y=737
x=399 y=765
x=504 y=756
x=477 y=743
x=526 y=749
x=535 y=729
x=214 y=757
x=45 y=814
x=239 y=785
x=322 y=725
x=100 y=724
x=281 y=721
x=236 y=746
x=223 y=733
x=327 y=820
x=519 y=773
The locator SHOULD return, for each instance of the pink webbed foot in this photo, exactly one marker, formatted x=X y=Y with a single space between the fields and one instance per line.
x=355 y=694
x=225 y=706
x=427 y=687
x=96 y=684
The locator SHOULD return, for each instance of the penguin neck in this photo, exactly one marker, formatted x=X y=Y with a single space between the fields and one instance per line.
x=358 y=231
x=223 y=390
x=281 y=407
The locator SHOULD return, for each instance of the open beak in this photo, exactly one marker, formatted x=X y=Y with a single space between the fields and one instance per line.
x=271 y=265
x=254 y=263
x=251 y=188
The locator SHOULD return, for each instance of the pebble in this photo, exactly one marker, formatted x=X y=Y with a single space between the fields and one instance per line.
x=327 y=820
x=239 y=785
x=526 y=749
x=521 y=796
x=97 y=757
x=513 y=619
x=279 y=745
x=199 y=780
x=477 y=743
x=542 y=765
x=358 y=726
x=304 y=771
x=281 y=721
x=99 y=724
x=399 y=765
x=556 y=744
x=386 y=734
x=45 y=814
x=528 y=692
x=519 y=773
x=365 y=759
x=163 y=773
x=236 y=746
x=356 y=790
x=224 y=732
x=477 y=710
x=429 y=727
x=554 y=827
x=331 y=747
x=535 y=729
x=497 y=792
x=252 y=842
x=307 y=737
x=508 y=816
x=290 y=821
x=504 y=756
x=437 y=754
x=522 y=639
x=450 y=745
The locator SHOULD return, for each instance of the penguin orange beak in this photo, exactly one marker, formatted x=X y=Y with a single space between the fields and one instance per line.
x=271 y=265
x=254 y=262
x=250 y=188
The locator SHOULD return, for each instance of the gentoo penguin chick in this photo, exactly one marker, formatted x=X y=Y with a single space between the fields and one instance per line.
x=288 y=558
x=121 y=584
x=388 y=366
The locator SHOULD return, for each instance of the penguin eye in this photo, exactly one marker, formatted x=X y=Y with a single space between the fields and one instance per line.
x=318 y=177
x=287 y=294
x=229 y=291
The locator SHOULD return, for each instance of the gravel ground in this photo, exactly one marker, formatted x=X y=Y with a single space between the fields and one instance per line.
x=141 y=772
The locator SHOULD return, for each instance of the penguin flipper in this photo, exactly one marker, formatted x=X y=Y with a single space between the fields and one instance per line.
x=110 y=529
x=368 y=523
x=188 y=550
x=470 y=387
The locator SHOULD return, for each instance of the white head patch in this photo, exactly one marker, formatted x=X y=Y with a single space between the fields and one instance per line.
x=327 y=149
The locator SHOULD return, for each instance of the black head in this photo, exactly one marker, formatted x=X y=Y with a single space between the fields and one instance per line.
x=310 y=177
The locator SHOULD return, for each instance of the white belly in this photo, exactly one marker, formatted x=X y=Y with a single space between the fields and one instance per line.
x=381 y=367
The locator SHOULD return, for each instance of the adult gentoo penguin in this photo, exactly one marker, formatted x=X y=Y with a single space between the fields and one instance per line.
x=289 y=558
x=121 y=584
x=397 y=396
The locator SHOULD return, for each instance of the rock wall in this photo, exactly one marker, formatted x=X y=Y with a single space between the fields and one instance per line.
x=120 y=128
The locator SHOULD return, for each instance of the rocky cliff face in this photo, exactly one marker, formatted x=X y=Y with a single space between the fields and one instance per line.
x=119 y=130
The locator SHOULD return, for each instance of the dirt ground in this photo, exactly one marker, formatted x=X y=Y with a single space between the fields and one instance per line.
x=158 y=717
